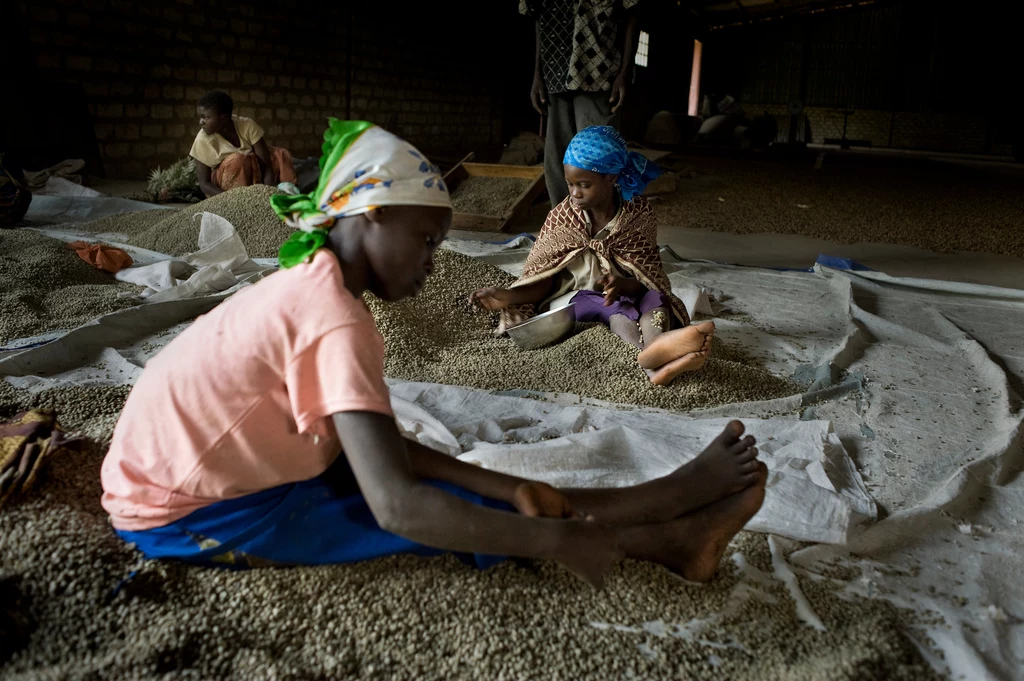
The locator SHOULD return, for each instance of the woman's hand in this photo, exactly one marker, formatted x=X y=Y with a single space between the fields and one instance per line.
x=492 y=298
x=615 y=287
x=538 y=94
x=540 y=500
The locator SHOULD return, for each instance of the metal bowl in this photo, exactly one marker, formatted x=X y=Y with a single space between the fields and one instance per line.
x=544 y=329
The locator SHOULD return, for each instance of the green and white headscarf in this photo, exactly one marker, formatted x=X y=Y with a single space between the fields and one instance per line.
x=363 y=167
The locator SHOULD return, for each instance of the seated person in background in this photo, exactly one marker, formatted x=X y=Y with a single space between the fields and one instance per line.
x=598 y=249
x=230 y=150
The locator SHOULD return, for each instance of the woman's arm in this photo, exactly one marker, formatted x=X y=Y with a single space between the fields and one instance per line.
x=262 y=152
x=530 y=497
x=404 y=504
x=204 y=175
x=624 y=79
x=501 y=298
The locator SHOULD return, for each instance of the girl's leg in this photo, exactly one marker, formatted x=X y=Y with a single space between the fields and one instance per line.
x=626 y=329
x=687 y=363
x=685 y=349
x=667 y=353
x=672 y=345
x=654 y=323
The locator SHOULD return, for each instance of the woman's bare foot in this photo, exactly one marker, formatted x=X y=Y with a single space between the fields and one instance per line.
x=675 y=344
x=686 y=363
x=692 y=546
x=728 y=465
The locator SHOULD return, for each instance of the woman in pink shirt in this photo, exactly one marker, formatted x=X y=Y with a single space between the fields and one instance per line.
x=263 y=434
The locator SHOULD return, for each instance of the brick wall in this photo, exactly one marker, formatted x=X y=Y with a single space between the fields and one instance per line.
x=906 y=130
x=142 y=66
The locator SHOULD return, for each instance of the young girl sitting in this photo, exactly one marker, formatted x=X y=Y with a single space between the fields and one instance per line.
x=230 y=150
x=598 y=249
x=263 y=433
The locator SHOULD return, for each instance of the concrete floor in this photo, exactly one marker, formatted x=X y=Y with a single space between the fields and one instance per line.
x=798 y=251
x=773 y=250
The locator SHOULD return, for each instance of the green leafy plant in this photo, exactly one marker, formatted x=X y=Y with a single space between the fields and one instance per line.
x=177 y=182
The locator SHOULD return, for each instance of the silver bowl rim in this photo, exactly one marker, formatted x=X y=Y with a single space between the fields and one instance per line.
x=540 y=316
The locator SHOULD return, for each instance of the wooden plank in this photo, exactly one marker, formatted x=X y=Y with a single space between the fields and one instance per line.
x=477 y=223
x=498 y=170
x=494 y=223
x=457 y=169
x=524 y=201
x=454 y=177
x=652 y=154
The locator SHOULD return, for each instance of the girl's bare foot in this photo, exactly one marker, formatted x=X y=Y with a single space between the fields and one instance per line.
x=689 y=362
x=692 y=546
x=675 y=344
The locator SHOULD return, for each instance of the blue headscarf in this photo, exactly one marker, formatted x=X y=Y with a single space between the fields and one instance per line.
x=601 y=149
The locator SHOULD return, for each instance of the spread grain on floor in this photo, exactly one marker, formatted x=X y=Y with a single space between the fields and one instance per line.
x=45 y=286
x=176 y=231
x=66 y=614
x=482 y=195
x=436 y=338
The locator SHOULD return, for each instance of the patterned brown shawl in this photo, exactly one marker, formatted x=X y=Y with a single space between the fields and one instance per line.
x=632 y=245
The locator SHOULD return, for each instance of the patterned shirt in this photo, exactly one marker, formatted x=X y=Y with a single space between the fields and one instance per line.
x=578 y=42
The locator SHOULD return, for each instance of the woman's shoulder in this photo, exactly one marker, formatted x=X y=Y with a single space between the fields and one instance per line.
x=247 y=127
x=637 y=204
x=566 y=210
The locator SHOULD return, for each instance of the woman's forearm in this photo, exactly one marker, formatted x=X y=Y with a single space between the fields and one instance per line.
x=428 y=463
x=431 y=516
x=405 y=505
x=531 y=293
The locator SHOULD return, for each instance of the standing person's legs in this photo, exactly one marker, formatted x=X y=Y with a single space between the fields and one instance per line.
x=593 y=108
x=561 y=129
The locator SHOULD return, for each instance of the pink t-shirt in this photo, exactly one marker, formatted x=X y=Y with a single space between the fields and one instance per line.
x=241 y=401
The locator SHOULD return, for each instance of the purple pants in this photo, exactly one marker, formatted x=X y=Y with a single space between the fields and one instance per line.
x=590 y=307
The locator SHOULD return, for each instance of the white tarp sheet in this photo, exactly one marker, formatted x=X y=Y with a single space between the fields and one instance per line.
x=54 y=210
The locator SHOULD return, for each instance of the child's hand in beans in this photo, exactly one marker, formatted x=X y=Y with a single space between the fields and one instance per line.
x=490 y=298
x=615 y=287
x=540 y=500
